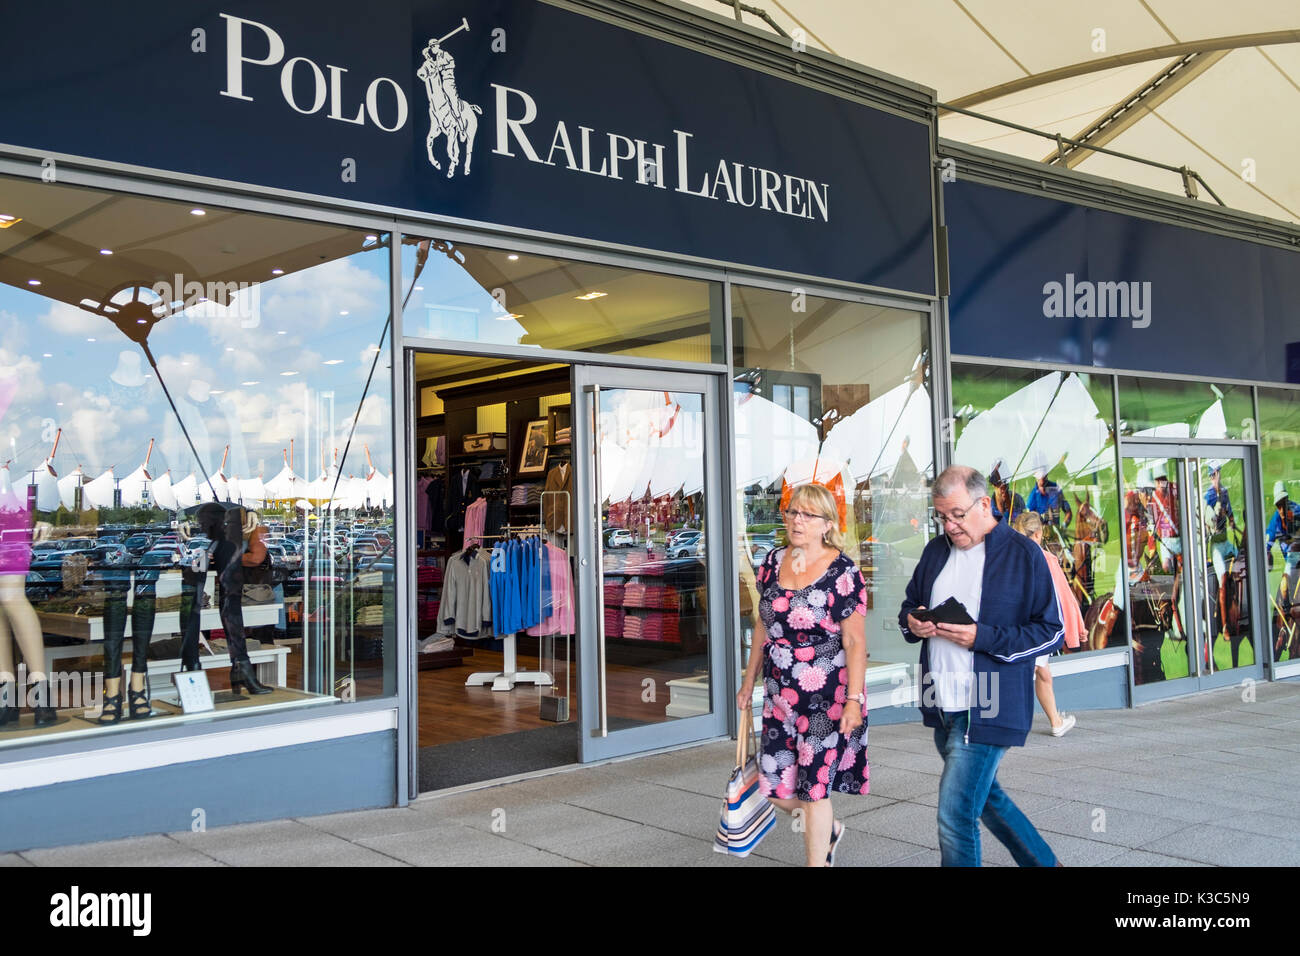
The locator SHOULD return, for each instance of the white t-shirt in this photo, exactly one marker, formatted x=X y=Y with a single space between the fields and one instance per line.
x=953 y=667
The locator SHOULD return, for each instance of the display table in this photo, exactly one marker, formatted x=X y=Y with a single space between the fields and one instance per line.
x=269 y=663
x=91 y=631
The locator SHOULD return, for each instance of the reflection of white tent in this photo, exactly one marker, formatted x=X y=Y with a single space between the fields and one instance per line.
x=46 y=480
x=185 y=492
x=252 y=493
x=768 y=438
x=379 y=489
x=873 y=438
x=1054 y=415
x=1212 y=423
x=163 y=494
x=134 y=484
x=99 y=493
x=286 y=486
x=649 y=442
x=68 y=486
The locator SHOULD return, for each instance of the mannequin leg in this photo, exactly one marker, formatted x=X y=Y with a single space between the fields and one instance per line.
x=27 y=633
x=192 y=585
x=232 y=620
x=142 y=619
x=8 y=678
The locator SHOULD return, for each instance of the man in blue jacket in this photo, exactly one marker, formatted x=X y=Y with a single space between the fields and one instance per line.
x=977 y=680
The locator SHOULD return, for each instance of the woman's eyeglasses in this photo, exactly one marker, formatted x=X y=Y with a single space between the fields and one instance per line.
x=793 y=516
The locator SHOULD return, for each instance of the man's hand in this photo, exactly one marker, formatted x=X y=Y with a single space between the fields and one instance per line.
x=921 y=628
x=963 y=635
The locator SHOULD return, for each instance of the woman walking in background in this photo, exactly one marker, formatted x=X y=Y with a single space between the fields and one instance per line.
x=811 y=647
x=1031 y=526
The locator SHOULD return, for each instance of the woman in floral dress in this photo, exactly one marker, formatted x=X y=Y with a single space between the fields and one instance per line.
x=811 y=647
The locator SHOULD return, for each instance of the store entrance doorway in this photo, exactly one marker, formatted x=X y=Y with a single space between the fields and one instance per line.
x=566 y=608
x=1191 y=543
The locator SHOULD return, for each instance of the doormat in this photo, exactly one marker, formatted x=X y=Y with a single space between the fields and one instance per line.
x=503 y=755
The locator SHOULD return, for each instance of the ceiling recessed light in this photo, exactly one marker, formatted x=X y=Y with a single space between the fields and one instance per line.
x=512 y=257
x=372 y=238
x=141 y=321
x=419 y=288
x=230 y=348
x=250 y=383
x=33 y=281
x=282 y=332
x=343 y=311
x=277 y=272
x=591 y=295
x=332 y=362
x=7 y=221
x=5 y=217
x=288 y=373
x=60 y=404
x=105 y=252
x=48 y=355
x=198 y=212
x=90 y=340
x=184 y=364
x=217 y=391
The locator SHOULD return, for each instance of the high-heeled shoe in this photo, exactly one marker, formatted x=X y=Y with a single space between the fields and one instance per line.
x=41 y=709
x=111 y=711
x=241 y=673
x=139 y=703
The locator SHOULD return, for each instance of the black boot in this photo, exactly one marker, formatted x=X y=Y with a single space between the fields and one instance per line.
x=40 y=698
x=8 y=703
x=241 y=672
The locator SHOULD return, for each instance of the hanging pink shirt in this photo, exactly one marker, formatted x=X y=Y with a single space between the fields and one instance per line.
x=560 y=620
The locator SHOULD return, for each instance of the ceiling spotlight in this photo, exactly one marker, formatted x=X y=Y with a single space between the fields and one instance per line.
x=48 y=355
x=591 y=295
x=419 y=288
x=90 y=340
x=230 y=348
x=5 y=217
x=277 y=272
x=216 y=391
x=332 y=362
x=343 y=311
x=198 y=212
x=250 y=383
x=105 y=252
x=282 y=332
x=512 y=257
x=33 y=282
x=288 y=373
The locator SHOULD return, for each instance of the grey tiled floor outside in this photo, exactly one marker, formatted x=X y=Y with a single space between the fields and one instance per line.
x=1207 y=780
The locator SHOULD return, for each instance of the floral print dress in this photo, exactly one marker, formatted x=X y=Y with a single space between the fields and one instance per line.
x=805 y=683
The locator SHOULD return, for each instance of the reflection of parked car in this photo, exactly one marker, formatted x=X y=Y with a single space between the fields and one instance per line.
x=138 y=544
x=619 y=538
x=689 y=548
x=681 y=536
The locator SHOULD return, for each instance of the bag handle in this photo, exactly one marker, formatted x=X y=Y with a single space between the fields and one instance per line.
x=743 y=737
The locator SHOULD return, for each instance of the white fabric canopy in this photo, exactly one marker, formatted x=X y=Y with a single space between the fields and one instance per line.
x=163 y=495
x=1067 y=67
x=99 y=492
x=286 y=486
x=47 y=486
x=1053 y=419
x=68 y=486
x=133 y=486
x=768 y=438
x=874 y=438
x=186 y=492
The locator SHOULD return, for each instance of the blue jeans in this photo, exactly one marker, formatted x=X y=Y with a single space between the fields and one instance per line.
x=969 y=793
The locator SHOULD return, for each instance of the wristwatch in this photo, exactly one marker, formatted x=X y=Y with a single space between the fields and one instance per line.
x=860 y=698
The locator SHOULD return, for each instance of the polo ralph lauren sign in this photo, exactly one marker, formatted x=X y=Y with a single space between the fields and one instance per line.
x=508 y=112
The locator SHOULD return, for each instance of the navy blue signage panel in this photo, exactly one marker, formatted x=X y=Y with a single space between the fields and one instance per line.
x=1042 y=280
x=510 y=112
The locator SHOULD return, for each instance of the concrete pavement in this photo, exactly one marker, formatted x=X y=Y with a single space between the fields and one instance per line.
x=1210 y=780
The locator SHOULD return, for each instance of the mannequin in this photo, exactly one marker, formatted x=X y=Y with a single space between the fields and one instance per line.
x=225 y=528
x=118 y=584
x=17 y=617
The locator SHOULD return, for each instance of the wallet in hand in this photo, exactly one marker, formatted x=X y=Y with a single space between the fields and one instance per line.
x=950 y=611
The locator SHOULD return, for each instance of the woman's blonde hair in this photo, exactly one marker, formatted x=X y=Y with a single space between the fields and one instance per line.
x=818 y=499
x=1028 y=523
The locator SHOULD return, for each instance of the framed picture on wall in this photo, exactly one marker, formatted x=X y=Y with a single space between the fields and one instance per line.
x=533 y=459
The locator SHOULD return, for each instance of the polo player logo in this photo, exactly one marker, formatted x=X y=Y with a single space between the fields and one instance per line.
x=449 y=115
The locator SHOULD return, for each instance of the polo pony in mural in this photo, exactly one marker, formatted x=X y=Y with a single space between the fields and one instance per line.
x=449 y=115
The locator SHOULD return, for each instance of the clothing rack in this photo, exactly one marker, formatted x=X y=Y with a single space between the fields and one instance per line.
x=510 y=675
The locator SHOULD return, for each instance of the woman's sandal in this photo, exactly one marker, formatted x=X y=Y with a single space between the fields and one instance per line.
x=140 y=704
x=837 y=832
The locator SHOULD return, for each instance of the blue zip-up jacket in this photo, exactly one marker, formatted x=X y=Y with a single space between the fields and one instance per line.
x=1019 y=620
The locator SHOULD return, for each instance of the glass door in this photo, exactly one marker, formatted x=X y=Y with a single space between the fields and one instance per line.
x=652 y=595
x=1187 y=515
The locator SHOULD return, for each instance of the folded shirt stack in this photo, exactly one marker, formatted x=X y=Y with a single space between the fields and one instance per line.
x=614 y=619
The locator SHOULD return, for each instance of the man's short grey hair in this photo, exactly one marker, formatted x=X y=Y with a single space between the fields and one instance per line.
x=956 y=477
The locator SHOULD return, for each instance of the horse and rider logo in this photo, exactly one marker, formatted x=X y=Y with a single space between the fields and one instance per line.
x=449 y=115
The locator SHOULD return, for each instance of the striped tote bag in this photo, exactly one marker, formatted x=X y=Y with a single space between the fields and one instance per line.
x=746 y=813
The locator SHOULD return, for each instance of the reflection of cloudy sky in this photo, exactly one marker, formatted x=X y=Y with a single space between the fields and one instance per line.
x=448 y=303
x=253 y=375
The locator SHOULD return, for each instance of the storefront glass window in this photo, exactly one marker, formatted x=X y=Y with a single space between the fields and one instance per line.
x=839 y=393
x=1279 y=454
x=466 y=293
x=158 y=356
x=1046 y=442
x=1166 y=408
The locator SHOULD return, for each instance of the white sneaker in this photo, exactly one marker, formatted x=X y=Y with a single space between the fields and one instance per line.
x=1067 y=721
